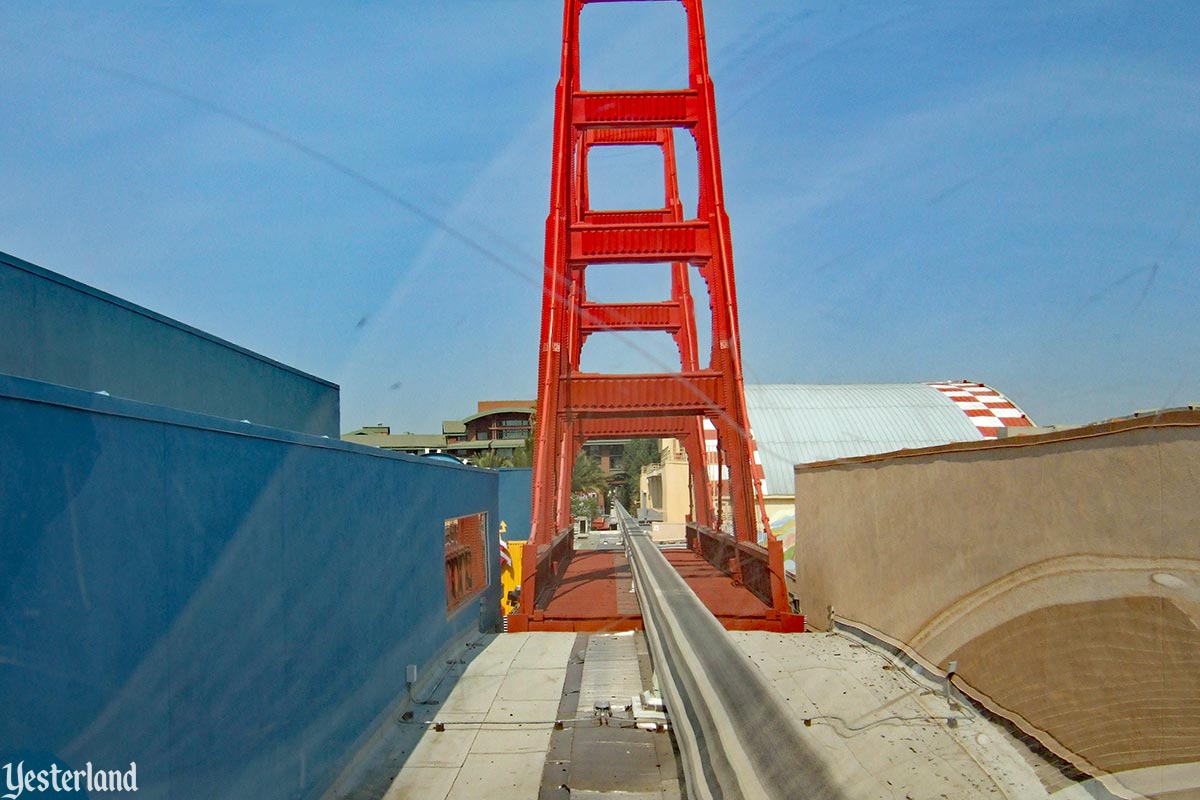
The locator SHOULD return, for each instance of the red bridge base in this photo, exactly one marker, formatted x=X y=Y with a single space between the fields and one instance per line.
x=595 y=594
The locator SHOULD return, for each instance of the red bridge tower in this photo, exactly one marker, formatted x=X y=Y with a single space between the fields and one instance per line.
x=575 y=406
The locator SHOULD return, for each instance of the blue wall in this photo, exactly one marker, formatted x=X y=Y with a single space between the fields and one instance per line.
x=228 y=605
x=516 y=501
x=61 y=331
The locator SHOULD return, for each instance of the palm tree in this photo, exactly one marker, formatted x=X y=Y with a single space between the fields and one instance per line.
x=587 y=476
x=492 y=460
x=524 y=456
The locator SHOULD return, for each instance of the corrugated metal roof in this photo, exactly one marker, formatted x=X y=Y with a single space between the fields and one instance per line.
x=801 y=423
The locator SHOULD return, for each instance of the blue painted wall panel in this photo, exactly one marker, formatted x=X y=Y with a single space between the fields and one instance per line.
x=230 y=606
x=58 y=330
x=516 y=501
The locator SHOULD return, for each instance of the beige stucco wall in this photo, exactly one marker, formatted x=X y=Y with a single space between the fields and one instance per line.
x=673 y=495
x=991 y=553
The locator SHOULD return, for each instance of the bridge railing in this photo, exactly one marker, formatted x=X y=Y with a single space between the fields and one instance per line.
x=552 y=560
x=758 y=568
x=541 y=568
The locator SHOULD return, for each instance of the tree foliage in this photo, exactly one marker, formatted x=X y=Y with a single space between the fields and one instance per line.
x=584 y=505
x=588 y=483
x=524 y=456
x=587 y=476
x=492 y=460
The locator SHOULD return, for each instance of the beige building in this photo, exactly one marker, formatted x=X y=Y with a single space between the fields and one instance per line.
x=664 y=486
x=498 y=426
x=1057 y=575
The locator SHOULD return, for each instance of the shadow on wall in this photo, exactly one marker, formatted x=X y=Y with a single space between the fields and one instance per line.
x=1061 y=572
x=228 y=606
x=50 y=499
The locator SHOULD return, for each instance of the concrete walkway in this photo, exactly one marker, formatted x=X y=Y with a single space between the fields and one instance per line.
x=498 y=719
x=883 y=732
x=498 y=709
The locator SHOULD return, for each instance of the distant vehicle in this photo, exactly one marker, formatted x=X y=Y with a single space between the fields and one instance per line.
x=444 y=457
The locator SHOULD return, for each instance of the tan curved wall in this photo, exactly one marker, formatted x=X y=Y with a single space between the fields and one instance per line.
x=1061 y=570
x=1116 y=681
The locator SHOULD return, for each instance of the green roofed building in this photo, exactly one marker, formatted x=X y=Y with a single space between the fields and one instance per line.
x=497 y=426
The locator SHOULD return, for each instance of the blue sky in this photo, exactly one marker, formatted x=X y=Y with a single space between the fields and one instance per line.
x=1007 y=192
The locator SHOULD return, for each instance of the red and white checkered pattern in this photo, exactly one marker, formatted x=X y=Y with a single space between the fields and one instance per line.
x=987 y=408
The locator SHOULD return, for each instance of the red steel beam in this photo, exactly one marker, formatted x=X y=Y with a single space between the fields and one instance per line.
x=638 y=427
x=623 y=136
x=634 y=217
x=635 y=243
x=670 y=394
x=673 y=108
x=600 y=317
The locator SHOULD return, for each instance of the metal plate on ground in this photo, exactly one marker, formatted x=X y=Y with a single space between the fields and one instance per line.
x=610 y=672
